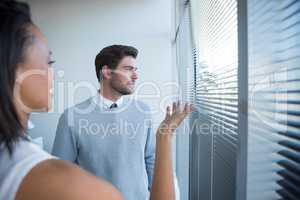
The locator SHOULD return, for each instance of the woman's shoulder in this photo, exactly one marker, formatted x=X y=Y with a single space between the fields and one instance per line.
x=25 y=154
x=57 y=179
x=16 y=164
x=30 y=173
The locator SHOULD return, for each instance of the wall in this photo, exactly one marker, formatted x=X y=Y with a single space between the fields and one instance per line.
x=77 y=30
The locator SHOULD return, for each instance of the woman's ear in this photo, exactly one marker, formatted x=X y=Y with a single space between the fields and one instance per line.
x=19 y=72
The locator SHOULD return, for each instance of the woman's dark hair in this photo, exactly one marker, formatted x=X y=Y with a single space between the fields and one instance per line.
x=15 y=37
x=111 y=56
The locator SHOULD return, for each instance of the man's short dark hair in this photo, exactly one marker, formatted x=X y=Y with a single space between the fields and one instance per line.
x=111 y=56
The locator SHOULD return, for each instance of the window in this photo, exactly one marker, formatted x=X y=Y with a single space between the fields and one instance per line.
x=273 y=100
x=215 y=140
x=246 y=88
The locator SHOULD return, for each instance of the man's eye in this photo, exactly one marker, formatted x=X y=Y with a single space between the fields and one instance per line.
x=51 y=62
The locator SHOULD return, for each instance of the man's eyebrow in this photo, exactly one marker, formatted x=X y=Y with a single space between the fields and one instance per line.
x=128 y=66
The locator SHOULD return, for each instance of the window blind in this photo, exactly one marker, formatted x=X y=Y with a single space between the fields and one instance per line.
x=273 y=170
x=184 y=63
x=217 y=95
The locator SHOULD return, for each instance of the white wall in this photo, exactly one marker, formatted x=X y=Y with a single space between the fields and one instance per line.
x=78 y=30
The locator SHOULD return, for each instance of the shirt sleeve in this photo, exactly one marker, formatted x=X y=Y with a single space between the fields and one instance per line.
x=65 y=143
x=150 y=153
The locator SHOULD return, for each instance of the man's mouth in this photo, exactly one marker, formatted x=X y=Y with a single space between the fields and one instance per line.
x=131 y=83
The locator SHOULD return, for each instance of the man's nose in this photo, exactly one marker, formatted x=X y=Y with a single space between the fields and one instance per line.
x=134 y=75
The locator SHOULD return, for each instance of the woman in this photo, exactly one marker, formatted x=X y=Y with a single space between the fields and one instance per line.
x=27 y=172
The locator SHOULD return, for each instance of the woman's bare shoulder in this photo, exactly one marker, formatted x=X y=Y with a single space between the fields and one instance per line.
x=61 y=180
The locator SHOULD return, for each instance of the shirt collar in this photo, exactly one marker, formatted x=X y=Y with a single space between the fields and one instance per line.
x=106 y=103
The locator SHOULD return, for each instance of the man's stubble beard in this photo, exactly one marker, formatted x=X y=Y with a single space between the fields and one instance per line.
x=122 y=91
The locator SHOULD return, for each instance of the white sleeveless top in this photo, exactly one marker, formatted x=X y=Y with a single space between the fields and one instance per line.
x=14 y=168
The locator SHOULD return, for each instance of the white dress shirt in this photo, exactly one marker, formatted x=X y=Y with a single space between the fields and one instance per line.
x=106 y=103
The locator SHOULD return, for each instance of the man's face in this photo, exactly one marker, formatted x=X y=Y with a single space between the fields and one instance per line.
x=124 y=76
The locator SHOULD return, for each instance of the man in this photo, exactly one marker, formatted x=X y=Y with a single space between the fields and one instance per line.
x=110 y=135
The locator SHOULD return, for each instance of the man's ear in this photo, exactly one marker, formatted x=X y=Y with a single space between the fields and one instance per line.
x=106 y=72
